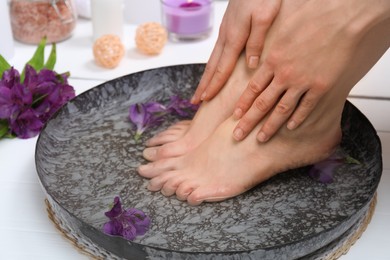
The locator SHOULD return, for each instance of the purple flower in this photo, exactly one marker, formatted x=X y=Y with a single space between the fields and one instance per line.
x=146 y=115
x=14 y=100
x=139 y=220
x=116 y=209
x=26 y=124
x=27 y=106
x=181 y=107
x=126 y=223
x=10 y=78
x=323 y=171
x=113 y=227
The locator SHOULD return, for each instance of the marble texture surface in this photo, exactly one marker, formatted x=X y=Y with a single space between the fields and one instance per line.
x=86 y=155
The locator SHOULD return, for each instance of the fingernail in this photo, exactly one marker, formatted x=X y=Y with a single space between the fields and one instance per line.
x=237 y=113
x=292 y=125
x=253 y=62
x=192 y=100
x=262 y=137
x=203 y=96
x=238 y=133
x=150 y=153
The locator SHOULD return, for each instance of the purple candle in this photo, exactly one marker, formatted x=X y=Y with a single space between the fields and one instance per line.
x=185 y=19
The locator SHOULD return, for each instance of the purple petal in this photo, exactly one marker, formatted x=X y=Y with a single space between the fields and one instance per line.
x=138 y=219
x=21 y=95
x=6 y=103
x=31 y=77
x=53 y=100
x=137 y=114
x=113 y=227
x=129 y=232
x=145 y=115
x=116 y=209
x=181 y=107
x=154 y=107
x=26 y=124
x=10 y=78
x=67 y=93
x=324 y=170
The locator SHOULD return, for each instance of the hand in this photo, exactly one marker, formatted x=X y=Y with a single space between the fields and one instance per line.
x=244 y=25
x=303 y=56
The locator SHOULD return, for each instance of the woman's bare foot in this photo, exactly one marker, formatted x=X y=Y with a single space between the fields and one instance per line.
x=221 y=168
x=185 y=136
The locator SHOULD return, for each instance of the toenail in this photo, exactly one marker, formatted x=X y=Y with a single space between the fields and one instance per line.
x=253 y=62
x=262 y=137
x=238 y=133
x=145 y=167
x=237 y=113
x=150 y=152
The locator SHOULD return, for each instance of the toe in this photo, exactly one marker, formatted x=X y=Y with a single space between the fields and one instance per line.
x=162 y=138
x=171 y=134
x=171 y=186
x=150 y=154
x=156 y=168
x=164 y=151
x=184 y=190
x=207 y=194
x=156 y=183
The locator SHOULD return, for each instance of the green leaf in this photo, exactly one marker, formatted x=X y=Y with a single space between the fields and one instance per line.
x=51 y=61
x=4 y=65
x=351 y=160
x=3 y=128
x=37 y=60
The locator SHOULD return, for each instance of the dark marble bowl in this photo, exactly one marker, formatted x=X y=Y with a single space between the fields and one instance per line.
x=86 y=156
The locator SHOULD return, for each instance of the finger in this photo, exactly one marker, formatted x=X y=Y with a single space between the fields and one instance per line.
x=259 y=28
x=212 y=62
x=260 y=80
x=257 y=111
x=305 y=107
x=208 y=71
x=279 y=116
x=227 y=62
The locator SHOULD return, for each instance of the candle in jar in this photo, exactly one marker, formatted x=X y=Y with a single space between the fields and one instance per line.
x=107 y=17
x=188 y=19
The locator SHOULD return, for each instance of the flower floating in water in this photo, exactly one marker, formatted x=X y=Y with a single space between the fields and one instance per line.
x=127 y=223
x=29 y=99
x=324 y=171
x=146 y=115
x=181 y=107
x=151 y=114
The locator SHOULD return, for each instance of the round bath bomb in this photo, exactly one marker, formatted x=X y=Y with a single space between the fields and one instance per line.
x=150 y=38
x=108 y=51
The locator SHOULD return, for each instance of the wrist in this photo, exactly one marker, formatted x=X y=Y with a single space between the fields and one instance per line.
x=364 y=15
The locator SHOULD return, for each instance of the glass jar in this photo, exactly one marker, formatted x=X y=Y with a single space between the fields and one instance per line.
x=31 y=20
